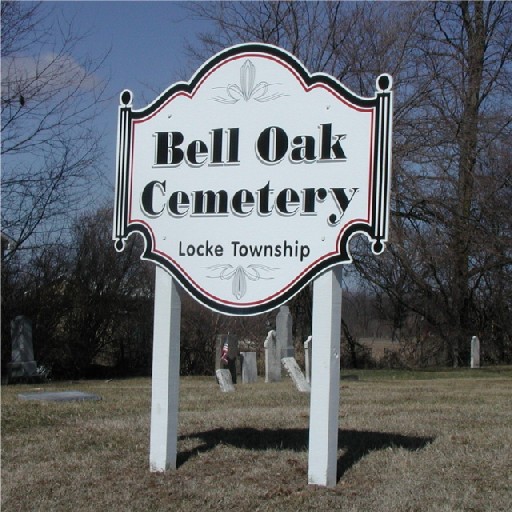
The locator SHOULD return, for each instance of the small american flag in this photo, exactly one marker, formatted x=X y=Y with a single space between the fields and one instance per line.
x=224 y=353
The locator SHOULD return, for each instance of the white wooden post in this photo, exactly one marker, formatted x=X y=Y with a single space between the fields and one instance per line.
x=325 y=379
x=165 y=381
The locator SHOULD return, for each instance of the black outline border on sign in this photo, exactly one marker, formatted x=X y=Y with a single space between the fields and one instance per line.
x=377 y=230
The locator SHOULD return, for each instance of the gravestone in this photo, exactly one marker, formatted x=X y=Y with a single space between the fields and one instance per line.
x=475 y=352
x=59 y=396
x=284 y=332
x=307 y=357
x=225 y=381
x=249 y=367
x=22 y=364
x=219 y=342
x=227 y=358
x=296 y=374
x=272 y=358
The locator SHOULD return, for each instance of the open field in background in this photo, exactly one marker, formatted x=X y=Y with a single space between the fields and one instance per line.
x=379 y=346
x=408 y=441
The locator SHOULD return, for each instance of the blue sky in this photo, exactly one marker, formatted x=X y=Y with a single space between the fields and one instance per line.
x=146 y=43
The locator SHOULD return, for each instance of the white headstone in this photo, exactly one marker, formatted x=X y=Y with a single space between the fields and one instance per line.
x=249 y=367
x=225 y=381
x=23 y=364
x=475 y=352
x=296 y=374
x=272 y=358
x=307 y=357
x=284 y=325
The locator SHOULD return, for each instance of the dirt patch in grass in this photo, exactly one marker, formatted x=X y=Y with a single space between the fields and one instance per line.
x=405 y=444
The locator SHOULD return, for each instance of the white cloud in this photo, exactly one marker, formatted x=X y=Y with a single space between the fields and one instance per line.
x=44 y=75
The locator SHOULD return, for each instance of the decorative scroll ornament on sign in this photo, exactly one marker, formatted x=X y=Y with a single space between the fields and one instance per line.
x=248 y=89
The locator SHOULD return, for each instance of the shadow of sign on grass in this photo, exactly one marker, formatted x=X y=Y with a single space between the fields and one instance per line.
x=356 y=444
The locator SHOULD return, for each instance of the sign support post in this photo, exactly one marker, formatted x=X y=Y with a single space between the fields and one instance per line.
x=325 y=379
x=165 y=382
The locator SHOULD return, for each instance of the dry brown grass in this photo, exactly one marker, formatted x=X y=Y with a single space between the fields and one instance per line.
x=408 y=442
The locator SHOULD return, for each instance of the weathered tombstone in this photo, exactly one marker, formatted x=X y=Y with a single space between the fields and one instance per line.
x=59 y=396
x=225 y=381
x=249 y=367
x=272 y=358
x=219 y=343
x=226 y=354
x=307 y=357
x=284 y=332
x=296 y=374
x=22 y=364
x=475 y=352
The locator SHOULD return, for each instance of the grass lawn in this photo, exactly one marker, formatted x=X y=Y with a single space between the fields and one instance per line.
x=408 y=441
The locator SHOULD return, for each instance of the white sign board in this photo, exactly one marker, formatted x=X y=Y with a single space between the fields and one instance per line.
x=249 y=180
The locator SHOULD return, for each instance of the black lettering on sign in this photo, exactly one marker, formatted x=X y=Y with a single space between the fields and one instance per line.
x=243 y=202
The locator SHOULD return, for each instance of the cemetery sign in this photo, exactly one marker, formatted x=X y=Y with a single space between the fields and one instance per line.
x=249 y=180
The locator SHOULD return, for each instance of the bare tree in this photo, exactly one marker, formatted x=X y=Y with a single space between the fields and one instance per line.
x=339 y=38
x=449 y=257
x=451 y=223
x=90 y=306
x=50 y=151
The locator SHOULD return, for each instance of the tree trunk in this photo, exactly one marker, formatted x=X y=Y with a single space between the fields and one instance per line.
x=474 y=28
